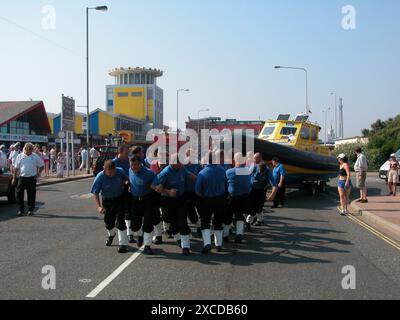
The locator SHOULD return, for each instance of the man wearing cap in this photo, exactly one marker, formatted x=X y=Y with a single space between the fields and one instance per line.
x=110 y=184
x=143 y=204
x=171 y=184
x=393 y=175
x=361 y=168
x=15 y=152
x=210 y=188
x=279 y=175
x=27 y=167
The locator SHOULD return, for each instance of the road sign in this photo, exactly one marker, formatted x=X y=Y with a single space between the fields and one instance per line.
x=68 y=114
x=61 y=135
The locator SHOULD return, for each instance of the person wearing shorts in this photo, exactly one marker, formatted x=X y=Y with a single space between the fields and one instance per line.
x=393 y=175
x=361 y=168
x=344 y=183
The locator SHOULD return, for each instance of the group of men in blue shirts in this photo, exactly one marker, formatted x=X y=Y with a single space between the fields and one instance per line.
x=136 y=200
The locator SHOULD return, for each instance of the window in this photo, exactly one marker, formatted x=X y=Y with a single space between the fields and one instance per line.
x=3 y=129
x=268 y=131
x=305 y=133
x=314 y=135
x=287 y=131
x=123 y=94
x=137 y=94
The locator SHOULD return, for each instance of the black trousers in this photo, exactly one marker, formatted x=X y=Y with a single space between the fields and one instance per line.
x=257 y=201
x=239 y=208
x=212 y=209
x=280 y=196
x=191 y=203
x=28 y=184
x=143 y=214
x=126 y=203
x=175 y=214
x=114 y=216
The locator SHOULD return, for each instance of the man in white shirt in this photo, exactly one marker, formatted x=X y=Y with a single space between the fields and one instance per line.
x=84 y=156
x=14 y=154
x=361 y=168
x=28 y=166
x=3 y=158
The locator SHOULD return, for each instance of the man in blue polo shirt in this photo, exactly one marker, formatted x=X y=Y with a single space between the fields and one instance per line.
x=210 y=188
x=142 y=203
x=239 y=188
x=110 y=185
x=279 y=174
x=171 y=184
x=122 y=162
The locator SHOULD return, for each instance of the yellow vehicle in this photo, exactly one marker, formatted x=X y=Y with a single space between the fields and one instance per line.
x=296 y=143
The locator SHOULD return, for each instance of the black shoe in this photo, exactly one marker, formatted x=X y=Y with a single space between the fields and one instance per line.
x=131 y=239
x=199 y=233
x=226 y=239
x=238 y=239
x=140 y=242
x=158 y=241
x=248 y=227
x=179 y=242
x=389 y=194
x=206 y=249
x=147 y=250
x=122 y=249
x=110 y=240
x=219 y=249
x=186 y=252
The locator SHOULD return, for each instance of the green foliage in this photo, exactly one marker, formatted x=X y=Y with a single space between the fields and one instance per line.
x=384 y=139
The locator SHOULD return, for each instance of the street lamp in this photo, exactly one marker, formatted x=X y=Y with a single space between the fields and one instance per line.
x=336 y=128
x=305 y=70
x=177 y=108
x=99 y=8
x=198 y=121
x=326 y=114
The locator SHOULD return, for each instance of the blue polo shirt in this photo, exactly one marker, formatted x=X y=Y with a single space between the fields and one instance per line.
x=278 y=172
x=260 y=180
x=190 y=183
x=172 y=179
x=141 y=182
x=123 y=164
x=109 y=187
x=238 y=184
x=211 y=181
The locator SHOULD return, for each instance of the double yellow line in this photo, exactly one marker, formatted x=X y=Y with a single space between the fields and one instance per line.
x=375 y=232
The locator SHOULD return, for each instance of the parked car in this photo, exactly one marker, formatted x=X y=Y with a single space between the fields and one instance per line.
x=6 y=189
x=105 y=153
x=383 y=171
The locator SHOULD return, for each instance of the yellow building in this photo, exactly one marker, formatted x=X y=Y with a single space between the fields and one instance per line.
x=135 y=94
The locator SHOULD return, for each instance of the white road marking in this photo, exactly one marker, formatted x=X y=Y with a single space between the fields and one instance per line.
x=113 y=275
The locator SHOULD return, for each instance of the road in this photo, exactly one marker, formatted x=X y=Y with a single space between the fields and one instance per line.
x=298 y=254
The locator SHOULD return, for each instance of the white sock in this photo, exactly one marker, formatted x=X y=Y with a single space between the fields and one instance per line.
x=249 y=219
x=123 y=238
x=111 y=233
x=218 y=237
x=206 y=237
x=260 y=217
x=185 y=242
x=148 y=237
x=128 y=227
x=158 y=230
x=177 y=237
x=166 y=226
x=239 y=227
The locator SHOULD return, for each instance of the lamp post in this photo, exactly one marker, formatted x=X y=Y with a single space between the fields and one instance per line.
x=99 y=8
x=326 y=114
x=307 y=109
x=336 y=128
x=177 y=108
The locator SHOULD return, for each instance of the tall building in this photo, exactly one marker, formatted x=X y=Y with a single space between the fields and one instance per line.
x=135 y=94
x=341 y=120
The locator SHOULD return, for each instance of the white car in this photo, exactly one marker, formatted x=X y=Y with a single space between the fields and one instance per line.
x=383 y=171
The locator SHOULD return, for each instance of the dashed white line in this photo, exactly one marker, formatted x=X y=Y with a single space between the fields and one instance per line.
x=113 y=276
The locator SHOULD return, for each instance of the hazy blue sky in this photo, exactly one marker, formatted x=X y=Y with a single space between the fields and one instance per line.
x=224 y=51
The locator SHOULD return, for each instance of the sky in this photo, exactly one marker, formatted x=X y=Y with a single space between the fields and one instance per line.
x=224 y=51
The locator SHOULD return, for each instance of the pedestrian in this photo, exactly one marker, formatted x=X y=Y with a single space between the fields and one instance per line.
x=261 y=179
x=190 y=194
x=110 y=185
x=15 y=152
x=239 y=188
x=344 y=183
x=210 y=189
x=27 y=167
x=279 y=175
x=94 y=155
x=393 y=175
x=143 y=207
x=60 y=165
x=171 y=184
x=84 y=156
x=361 y=168
x=122 y=162
x=53 y=160
x=46 y=158
x=3 y=158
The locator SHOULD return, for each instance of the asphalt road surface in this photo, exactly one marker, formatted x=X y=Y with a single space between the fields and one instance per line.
x=300 y=253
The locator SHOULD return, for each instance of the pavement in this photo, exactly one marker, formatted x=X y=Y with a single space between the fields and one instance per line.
x=302 y=252
x=52 y=179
